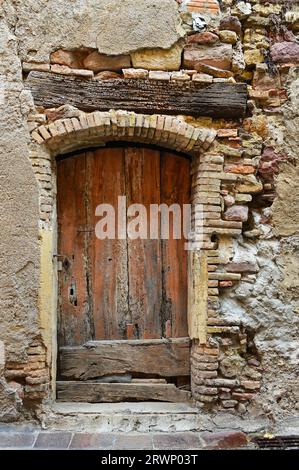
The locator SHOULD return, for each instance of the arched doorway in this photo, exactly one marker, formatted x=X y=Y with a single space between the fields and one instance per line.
x=122 y=328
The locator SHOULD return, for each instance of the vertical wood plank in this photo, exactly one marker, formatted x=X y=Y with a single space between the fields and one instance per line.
x=197 y=295
x=74 y=326
x=175 y=189
x=107 y=258
x=144 y=256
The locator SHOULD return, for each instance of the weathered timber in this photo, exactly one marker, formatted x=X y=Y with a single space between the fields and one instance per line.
x=219 y=100
x=164 y=358
x=93 y=392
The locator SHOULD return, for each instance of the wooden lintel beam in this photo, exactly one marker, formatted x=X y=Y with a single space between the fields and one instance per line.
x=216 y=100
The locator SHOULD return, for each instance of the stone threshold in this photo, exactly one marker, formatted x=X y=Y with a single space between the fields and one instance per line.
x=123 y=417
x=124 y=407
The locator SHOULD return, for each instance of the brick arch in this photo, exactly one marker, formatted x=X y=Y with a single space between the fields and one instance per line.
x=209 y=267
x=93 y=129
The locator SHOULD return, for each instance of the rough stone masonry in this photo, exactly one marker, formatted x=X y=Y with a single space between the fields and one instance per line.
x=248 y=175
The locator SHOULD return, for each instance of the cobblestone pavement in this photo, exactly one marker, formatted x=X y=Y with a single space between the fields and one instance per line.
x=11 y=438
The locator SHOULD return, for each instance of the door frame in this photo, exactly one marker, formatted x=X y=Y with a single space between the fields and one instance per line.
x=165 y=131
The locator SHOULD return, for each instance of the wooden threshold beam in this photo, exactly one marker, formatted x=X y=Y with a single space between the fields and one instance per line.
x=93 y=392
x=216 y=100
x=162 y=358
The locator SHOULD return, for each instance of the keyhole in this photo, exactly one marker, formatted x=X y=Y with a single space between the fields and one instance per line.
x=73 y=294
x=66 y=264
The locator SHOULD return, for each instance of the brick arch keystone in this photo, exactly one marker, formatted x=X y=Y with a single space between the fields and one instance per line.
x=92 y=129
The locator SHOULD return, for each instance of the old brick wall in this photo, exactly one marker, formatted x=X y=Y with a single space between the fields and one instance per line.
x=248 y=179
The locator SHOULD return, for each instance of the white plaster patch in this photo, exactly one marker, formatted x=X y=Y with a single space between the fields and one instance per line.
x=2 y=90
x=2 y=356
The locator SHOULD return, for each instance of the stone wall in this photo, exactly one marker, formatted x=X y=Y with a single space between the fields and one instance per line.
x=248 y=178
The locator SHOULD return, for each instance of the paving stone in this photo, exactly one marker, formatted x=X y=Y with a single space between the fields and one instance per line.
x=224 y=440
x=93 y=441
x=24 y=440
x=53 y=440
x=137 y=442
x=176 y=441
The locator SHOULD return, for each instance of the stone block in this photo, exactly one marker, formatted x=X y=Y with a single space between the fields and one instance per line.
x=285 y=52
x=17 y=440
x=158 y=59
x=224 y=440
x=206 y=38
x=107 y=75
x=135 y=442
x=236 y=212
x=73 y=59
x=253 y=57
x=205 y=398
x=229 y=200
x=93 y=441
x=219 y=56
x=242 y=267
x=53 y=440
x=229 y=403
x=101 y=62
x=176 y=441
x=231 y=23
x=250 y=187
x=230 y=37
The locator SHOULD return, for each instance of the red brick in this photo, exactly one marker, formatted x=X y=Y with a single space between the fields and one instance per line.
x=225 y=284
x=242 y=396
x=251 y=384
x=219 y=56
x=203 y=6
x=240 y=169
x=203 y=38
x=242 y=267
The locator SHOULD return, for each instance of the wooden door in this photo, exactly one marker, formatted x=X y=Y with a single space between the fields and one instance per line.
x=122 y=327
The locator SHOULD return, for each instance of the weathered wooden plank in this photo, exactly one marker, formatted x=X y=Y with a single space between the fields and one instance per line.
x=93 y=392
x=175 y=189
x=108 y=264
x=75 y=313
x=164 y=358
x=218 y=100
x=144 y=254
